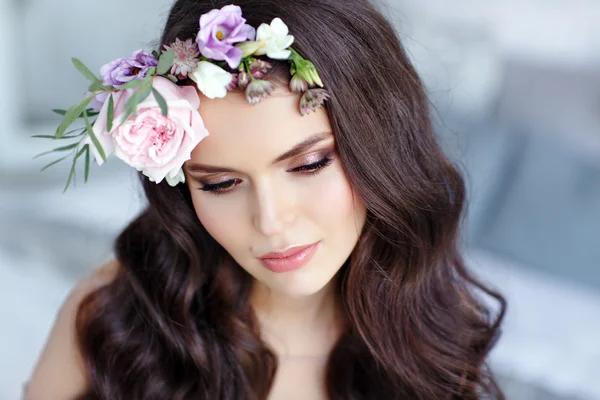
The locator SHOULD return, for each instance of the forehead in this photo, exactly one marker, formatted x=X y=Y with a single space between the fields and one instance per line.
x=267 y=129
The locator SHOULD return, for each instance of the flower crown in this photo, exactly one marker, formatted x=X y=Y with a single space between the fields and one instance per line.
x=153 y=124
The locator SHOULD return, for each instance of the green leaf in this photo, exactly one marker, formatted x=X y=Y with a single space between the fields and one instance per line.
x=110 y=114
x=65 y=136
x=71 y=115
x=165 y=62
x=80 y=152
x=85 y=71
x=45 y=137
x=161 y=102
x=96 y=86
x=71 y=173
x=93 y=137
x=53 y=163
x=59 y=112
x=87 y=162
x=155 y=54
x=131 y=104
x=54 y=137
x=91 y=112
x=62 y=148
x=132 y=84
x=150 y=74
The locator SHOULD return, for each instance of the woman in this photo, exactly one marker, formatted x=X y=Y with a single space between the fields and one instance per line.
x=299 y=255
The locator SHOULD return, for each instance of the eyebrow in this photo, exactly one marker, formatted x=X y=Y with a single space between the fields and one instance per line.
x=294 y=151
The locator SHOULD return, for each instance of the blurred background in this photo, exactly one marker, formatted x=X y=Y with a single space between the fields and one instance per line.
x=515 y=89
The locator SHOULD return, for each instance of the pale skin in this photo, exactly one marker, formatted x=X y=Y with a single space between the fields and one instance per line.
x=264 y=204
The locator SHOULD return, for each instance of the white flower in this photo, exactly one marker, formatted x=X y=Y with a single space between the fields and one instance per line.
x=274 y=40
x=212 y=80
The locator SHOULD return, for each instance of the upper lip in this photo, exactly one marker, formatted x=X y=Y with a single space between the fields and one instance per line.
x=286 y=253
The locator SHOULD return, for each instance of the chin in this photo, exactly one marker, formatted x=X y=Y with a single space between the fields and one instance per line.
x=297 y=284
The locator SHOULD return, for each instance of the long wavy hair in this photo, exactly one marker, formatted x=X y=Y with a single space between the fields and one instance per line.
x=176 y=322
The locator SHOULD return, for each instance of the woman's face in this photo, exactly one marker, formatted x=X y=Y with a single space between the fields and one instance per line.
x=267 y=179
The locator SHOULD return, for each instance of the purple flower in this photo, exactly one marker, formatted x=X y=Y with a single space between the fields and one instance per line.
x=220 y=30
x=125 y=69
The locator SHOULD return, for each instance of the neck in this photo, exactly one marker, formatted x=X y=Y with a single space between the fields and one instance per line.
x=298 y=327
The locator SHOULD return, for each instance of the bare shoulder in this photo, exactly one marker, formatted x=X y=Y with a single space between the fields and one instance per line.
x=59 y=372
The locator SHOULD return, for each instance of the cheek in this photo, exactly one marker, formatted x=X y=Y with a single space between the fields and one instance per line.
x=333 y=203
x=219 y=219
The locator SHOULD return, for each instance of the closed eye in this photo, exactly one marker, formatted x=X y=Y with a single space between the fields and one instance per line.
x=315 y=167
x=308 y=169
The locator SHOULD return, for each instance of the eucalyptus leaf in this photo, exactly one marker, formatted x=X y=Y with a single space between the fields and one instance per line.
x=81 y=130
x=132 y=84
x=45 y=137
x=165 y=62
x=87 y=162
x=53 y=163
x=80 y=152
x=65 y=136
x=155 y=54
x=96 y=86
x=161 y=102
x=110 y=114
x=71 y=173
x=93 y=137
x=70 y=116
x=62 y=148
x=150 y=73
x=85 y=71
x=131 y=104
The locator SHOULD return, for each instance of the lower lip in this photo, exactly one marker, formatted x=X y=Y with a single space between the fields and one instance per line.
x=292 y=262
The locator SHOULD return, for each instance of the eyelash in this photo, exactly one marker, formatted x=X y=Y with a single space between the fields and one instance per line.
x=309 y=169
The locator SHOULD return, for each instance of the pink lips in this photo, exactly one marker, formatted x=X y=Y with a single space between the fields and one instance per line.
x=290 y=259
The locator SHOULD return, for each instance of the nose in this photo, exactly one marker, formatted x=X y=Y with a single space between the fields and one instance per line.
x=274 y=210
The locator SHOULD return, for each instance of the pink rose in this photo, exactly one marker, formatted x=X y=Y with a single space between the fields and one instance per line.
x=150 y=142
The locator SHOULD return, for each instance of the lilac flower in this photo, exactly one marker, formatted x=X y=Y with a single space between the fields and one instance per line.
x=220 y=30
x=125 y=69
x=312 y=99
x=186 y=57
x=258 y=89
x=259 y=68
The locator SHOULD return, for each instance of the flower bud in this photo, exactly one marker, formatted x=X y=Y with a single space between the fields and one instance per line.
x=233 y=84
x=243 y=79
x=248 y=47
x=257 y=90
x=312 y=99
x=298 y=85
x=259 y=68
